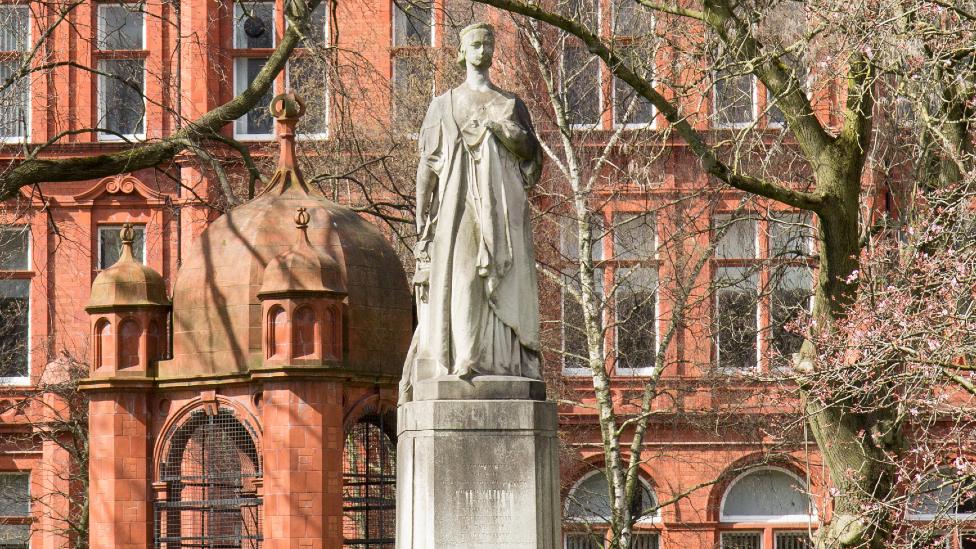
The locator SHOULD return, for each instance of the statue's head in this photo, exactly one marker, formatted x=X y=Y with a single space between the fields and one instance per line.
x=477 y=45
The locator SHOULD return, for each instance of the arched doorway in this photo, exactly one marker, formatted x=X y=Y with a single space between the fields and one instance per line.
x=369 y=484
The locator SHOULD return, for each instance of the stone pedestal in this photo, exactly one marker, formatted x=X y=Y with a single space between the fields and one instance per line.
x=477 y=472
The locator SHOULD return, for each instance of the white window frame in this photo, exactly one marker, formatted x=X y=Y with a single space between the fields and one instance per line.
x=433 y=27
x=756 y=254
x=102 y=79
x=24 y=380
x=317 y=136
x=652 y=125
x=734 y=125
x=598 y=521
x=643 y=370
x=103 y=228
x=239 y=12
x=955 y=517
x=98 y=28
x=28 y=108
x=250 y=136
x=599 y=125
x=767 y=519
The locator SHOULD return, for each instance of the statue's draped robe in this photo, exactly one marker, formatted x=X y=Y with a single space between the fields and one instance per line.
x=481 y=315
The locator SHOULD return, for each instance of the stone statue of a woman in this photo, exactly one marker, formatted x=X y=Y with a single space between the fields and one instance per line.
x=476 y=278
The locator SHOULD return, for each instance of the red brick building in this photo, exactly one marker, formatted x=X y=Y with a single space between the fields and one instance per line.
x=168 y=393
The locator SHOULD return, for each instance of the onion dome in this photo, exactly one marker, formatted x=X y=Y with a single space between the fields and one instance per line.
x=217 y=314
x=302 y=270
x=127 y=283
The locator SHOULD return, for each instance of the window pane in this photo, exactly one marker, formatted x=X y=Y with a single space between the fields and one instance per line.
x=589 y=500
x=14 y=321
x=14 y=249
x=967 y=540
x=110 y=245
x=636 y=317
x=624 y=97
x=14 y=102
x=14 y=494
x=766 y=494
x=793 y=540
x=258 y=120
x=790 y=235
x=318 y=28
x=734 y=97
x=584 y=541
x=123 y=107
x=739 y=240
x=634 y=236
x=736 y=317
x=574 y=331
x=792 y=288
x=14 y=28
x=799 y=71
x=631 y=19
x=120 y=27
x=309 y=76
x=412 y=23
x=741 y=540
x=645 y=541
x=569 y=238
x=14 y=536
x=413 y=86
x=581 y=78
x=585 y=12
x=254 y=25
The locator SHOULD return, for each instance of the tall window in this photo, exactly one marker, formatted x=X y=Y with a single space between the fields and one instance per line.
x=122 y=64
x=15 y=510
x=254 y=37
x=588 y=512
x=635 y=292
x=733 y=93
x=308 y=74
x=775 y=506
x=210 y=465
x=412 y=78
x=369 y=485
x=581 y=86
x=110 y=244
x=791 y=281
x=574 y=341
x=736 y=293
x=15 y=99
x=774 y=116
x=15 y=282
x=632 y=29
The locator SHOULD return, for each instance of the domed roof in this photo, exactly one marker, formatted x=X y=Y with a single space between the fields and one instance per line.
x=302 y=270
x=217 y=323
x=127 y=283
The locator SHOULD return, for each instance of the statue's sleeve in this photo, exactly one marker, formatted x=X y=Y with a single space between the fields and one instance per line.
x=532 y=167
x=430 y=147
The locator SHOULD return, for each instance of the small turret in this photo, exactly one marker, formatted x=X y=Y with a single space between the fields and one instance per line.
x=128 y=309
x=301 y=296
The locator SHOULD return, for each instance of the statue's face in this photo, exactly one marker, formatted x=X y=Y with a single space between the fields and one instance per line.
x=478 y=46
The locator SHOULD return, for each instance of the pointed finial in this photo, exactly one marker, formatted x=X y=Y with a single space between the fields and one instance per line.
x=287 y=108
x=128 y=236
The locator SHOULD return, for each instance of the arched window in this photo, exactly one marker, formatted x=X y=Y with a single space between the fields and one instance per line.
x=277 y=332
x=369 y=485
x=942 y=495
x=588 y=510
x=129 y=333
x=771 y=508
x=304 y=330
x=210 y=465
x=104 y=344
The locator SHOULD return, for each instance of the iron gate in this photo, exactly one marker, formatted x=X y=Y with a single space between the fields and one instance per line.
x=369 y=485
x=211 y=500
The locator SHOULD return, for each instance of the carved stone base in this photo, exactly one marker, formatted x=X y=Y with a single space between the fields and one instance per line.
x=480 y=388
x=477 y=474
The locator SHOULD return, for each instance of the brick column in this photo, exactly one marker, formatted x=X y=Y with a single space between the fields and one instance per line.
x=120 y=512
x=302 y=447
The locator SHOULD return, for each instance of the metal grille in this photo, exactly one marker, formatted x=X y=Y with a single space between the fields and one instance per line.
x=644 y=541
x=741 y=540
x=369 y=485
x=583 y=541
x=211 y=498
x=793 y=540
